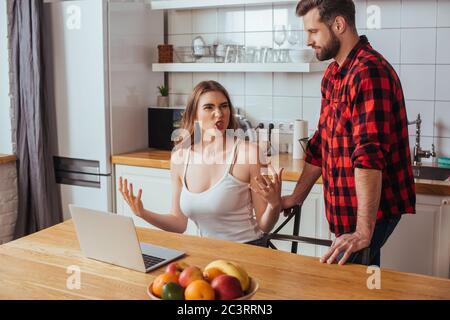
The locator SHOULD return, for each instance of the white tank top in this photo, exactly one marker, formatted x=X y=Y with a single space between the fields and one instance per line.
x=225 y=210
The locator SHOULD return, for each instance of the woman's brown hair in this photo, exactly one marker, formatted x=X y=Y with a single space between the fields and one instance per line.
x=189 y=115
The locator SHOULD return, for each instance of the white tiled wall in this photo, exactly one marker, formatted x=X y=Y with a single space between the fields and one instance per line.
x=135 y=31
x=414 y=37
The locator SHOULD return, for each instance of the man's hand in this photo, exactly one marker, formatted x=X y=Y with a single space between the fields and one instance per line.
x=368 y=191
x=307 y=179
x=288 y=201
x=347 y=243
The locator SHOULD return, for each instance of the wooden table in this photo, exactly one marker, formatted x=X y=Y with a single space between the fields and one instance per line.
x=35 y=267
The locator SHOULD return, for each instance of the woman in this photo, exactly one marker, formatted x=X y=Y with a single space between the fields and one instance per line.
x=216 y=178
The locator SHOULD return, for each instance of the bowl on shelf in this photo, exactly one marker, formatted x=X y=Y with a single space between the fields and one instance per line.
x=303 y=55
x=184 y=54
x=253 y=288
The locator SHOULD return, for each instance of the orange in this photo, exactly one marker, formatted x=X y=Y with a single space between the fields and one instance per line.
x=199 y=290
x=212 y=273
x=161 y=280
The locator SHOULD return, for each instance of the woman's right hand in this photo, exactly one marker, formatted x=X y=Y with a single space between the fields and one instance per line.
x=269 y=188
x=135 y=203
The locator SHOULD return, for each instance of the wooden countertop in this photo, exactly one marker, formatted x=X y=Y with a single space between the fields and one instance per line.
x=6 y=158
x=161 y=159
x=35 y=267
x=154 y=158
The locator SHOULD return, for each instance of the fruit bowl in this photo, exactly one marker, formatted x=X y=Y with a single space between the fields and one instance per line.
x=254 y=286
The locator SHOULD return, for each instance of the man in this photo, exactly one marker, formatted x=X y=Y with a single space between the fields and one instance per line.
x=361 y=146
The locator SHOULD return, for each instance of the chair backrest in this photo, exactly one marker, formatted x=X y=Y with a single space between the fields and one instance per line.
x=295 y=213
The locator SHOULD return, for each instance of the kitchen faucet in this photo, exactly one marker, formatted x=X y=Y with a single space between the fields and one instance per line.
x=245 y=125
x=418 y=152
x=269 y=145
x=266 y=135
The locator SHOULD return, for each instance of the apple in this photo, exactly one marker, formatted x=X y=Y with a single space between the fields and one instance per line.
x=190 y=274
x=227 y=287
x=176 y=267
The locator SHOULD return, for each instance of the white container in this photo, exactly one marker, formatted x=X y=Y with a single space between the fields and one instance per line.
x=304 y=55
x=300 y=132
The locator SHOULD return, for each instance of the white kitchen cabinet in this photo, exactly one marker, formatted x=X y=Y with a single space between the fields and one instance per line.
x=156 y=193
x=421 y=242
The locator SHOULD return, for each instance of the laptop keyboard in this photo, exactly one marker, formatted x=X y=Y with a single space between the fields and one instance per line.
x=150 y=261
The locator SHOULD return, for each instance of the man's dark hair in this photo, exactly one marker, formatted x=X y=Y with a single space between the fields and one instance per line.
x=329 y=10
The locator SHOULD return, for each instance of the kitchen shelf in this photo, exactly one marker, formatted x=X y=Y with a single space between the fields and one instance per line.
x=193 y=4
x=131 y=7
x=129 y=67
x=240 y=67
x=170 y=107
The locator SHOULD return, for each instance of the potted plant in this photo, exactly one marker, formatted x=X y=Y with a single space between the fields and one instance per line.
x=163 y=99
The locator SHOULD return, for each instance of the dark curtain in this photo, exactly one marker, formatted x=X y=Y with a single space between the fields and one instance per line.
x=39 y=200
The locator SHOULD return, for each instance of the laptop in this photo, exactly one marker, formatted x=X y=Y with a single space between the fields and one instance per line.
x=112 y=238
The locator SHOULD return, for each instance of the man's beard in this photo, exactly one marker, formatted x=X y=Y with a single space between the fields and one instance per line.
x=330 y=50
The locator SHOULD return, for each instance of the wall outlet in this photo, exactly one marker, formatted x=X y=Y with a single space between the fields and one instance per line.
x=266 y=123
x=284 y=127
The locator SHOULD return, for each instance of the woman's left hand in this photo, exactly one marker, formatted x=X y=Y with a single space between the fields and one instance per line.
x=269 y=187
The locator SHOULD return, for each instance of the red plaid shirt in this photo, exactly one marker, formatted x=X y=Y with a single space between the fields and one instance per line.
x=362 y=125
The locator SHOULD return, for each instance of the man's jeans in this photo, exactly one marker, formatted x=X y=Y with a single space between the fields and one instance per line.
x=383 y=230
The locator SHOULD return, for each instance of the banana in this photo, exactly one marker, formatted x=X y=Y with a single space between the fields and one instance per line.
x=232 y=269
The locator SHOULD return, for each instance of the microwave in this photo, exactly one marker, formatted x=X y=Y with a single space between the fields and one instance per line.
x=161 y=123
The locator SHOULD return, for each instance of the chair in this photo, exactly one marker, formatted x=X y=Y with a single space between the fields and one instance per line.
x=295 y=213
